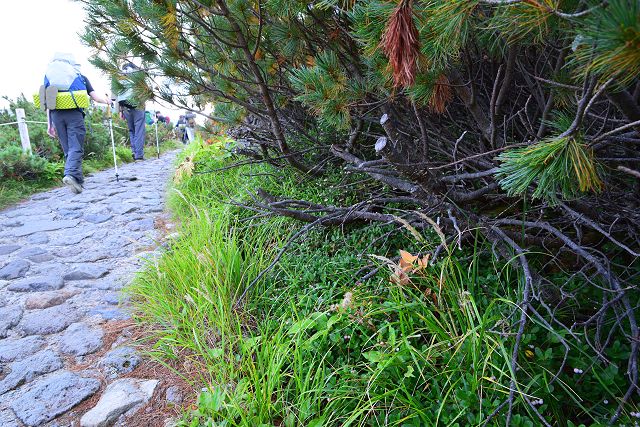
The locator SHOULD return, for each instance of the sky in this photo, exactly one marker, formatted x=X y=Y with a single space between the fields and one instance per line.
x=29 y=37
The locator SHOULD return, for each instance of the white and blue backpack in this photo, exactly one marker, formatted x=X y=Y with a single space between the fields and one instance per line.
x=64 y=87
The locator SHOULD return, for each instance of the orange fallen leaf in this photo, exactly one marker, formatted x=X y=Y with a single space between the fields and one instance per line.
x=407 y=257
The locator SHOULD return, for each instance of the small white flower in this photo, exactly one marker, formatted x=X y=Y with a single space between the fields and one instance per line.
x=577 y=370
x=606 y=402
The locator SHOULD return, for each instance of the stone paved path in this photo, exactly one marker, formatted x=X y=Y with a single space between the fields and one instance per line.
x=63 y=260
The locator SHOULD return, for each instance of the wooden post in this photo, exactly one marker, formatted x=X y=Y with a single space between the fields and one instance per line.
x=24 y=131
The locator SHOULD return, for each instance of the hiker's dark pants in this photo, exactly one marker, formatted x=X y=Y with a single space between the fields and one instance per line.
x=69 y=125
x=135 y=122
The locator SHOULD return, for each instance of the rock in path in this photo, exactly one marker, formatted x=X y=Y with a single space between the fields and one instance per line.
x=7 y=249
x=28 y=369
x=87 y=272
x=48 y=321
x=7 y=419
x=52 y=396
x=119 y=397
x=35 y=254
x=14 y=269
x=11 y=350
x=37 y=283
x=122 y=360
x=79 y=339
x=9 y=317
x=42 y=300
x=44 y=225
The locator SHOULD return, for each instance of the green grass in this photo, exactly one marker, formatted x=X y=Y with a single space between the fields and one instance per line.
x=12 y=191
x=312 y=345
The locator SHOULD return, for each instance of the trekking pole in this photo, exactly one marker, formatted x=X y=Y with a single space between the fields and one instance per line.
x=113 y=144
x=157 y=143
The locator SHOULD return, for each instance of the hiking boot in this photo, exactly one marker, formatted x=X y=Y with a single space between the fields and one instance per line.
x=72 y=183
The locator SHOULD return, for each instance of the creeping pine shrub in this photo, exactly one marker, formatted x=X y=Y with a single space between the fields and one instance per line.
x=17 y=165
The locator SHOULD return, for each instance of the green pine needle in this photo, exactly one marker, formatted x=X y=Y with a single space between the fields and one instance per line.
x=559 y=165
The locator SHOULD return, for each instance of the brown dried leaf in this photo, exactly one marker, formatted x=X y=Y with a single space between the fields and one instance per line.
x=441 y=96
x=400 y=43
x=407 y=257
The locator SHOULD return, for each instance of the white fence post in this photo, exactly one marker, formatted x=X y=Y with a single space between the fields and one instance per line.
x=24 y=131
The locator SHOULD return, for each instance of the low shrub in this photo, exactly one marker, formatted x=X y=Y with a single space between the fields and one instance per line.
x=14 y=164
x=420 y=342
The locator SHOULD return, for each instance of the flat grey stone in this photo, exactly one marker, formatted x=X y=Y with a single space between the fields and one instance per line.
x=108 y=313
x=79 y=339
x=141 y=225
x=7 y=249
x=174 y=395
x=97 y=218
x=40 y=196
x=9 y=317
x=148 y=195
x=48 y=321
x=14 y=269
x=151 y=209
x=150 y=202
x=92 y=255
x=94 y=198
x=72 y=240
x=69 y=214
x=123 y=208
x=52 y=396
x=72 y=206
x=26 y=370
x=121 y=360
x=112 y=298
x=119 y=397
x=37 y=283
x=106 y=283
x=44 y=225
x=35 y=254
x=86 y=272
x=11 y=350
x=38 y=239
x=16 y=212
x=8 y=419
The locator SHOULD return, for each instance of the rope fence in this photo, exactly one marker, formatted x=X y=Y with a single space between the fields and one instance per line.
x=24 y=130
x=44 y=123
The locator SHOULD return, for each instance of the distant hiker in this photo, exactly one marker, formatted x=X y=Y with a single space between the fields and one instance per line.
x=161 y=119
x=190 y=129
x=134 y=114
x=64 y=95
x=181 y=128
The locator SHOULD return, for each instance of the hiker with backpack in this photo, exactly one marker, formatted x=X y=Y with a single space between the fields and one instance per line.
x=64 y=95
x=135 y=116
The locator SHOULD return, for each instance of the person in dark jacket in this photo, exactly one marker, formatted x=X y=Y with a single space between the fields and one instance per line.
x=134 y=115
